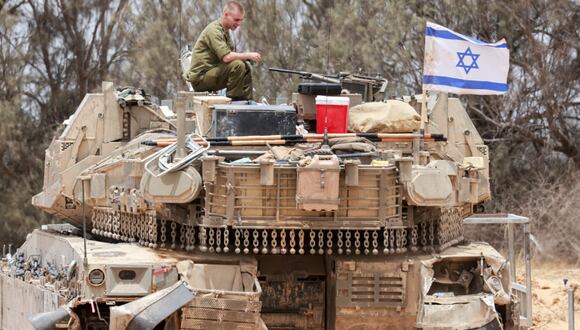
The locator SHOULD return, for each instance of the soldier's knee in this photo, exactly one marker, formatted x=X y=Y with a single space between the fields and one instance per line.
x=238 y=66
x=189 y=76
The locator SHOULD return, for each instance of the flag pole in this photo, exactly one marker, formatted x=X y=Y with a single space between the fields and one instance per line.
x=422 y=128
x=418 y=141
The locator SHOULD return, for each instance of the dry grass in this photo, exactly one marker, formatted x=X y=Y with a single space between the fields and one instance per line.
x=551 y=199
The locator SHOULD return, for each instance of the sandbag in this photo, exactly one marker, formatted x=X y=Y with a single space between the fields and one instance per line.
x=393 y=116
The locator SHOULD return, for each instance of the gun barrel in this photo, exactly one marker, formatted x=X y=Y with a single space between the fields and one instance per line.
x=303 y=73
x=307 y=75
x=319 y=77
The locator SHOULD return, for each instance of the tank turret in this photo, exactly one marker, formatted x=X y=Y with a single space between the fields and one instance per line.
x=323 y=230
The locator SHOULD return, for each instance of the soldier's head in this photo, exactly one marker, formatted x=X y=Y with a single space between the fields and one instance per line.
x=233 y=15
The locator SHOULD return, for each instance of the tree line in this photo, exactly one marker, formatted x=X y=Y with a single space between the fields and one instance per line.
x=53 y=52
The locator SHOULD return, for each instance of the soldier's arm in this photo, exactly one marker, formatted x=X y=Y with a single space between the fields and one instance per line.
x=219 y=45
x=232 y=56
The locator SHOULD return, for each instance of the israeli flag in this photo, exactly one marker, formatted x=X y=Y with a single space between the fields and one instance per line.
x=458 y=64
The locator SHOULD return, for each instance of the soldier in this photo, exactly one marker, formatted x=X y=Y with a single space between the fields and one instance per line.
x=214 y=63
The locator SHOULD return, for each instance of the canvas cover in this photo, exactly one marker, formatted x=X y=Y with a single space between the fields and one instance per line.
x=351 y=144
x=393 y=116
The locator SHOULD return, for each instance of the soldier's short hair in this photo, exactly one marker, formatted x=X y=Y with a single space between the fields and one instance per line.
x=232 y=6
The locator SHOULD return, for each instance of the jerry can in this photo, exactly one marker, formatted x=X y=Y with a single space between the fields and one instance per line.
x=317 y=184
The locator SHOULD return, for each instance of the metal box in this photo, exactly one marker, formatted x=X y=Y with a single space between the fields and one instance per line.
x=203 y=109
x=244 y=120
x=319 y=89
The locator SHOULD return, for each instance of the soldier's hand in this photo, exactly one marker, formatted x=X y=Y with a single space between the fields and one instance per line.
x=256 y=57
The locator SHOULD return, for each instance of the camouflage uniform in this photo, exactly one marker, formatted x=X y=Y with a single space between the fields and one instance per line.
x=208 y=72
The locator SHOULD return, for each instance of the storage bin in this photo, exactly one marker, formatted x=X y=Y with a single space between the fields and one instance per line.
x=244 y=120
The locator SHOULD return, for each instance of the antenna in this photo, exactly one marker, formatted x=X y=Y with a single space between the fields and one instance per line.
x=86 y=260
x=328 y=21
x=325 y=139
x=179 y=25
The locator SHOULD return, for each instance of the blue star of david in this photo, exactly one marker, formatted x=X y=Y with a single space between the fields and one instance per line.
x=461 y=63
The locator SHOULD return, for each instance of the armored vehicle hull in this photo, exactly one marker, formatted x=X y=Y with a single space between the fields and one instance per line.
x=124 y=285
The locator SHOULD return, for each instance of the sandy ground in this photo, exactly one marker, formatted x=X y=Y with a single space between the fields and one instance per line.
x=550 y=300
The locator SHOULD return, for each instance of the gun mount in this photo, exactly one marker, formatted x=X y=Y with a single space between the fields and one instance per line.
x=370 y=88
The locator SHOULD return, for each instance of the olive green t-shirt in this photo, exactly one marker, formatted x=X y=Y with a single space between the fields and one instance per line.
x=212 y=45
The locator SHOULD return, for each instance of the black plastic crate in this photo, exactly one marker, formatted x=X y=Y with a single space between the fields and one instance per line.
x=244 y=120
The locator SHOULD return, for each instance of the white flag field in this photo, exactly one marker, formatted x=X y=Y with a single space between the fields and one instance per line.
x=458 y=64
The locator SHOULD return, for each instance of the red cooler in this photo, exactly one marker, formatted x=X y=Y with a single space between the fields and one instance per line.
x=331 y=113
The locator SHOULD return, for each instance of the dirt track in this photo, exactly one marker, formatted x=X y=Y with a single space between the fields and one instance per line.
x=550 y=301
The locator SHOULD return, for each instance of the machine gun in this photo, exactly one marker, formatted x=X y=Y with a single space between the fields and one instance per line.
x=370 y=88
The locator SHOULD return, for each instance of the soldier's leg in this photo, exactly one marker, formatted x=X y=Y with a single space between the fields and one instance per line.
x=213 y=80
x=247 y=83
x=239 y=80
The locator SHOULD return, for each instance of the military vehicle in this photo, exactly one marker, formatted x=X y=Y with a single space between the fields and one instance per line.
x=172 y=225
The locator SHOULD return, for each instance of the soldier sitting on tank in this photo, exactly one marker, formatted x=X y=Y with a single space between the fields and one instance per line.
x=215 y=64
